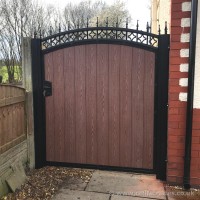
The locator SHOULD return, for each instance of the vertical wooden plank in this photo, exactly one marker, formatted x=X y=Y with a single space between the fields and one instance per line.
x=91 y=108
x=20 y=120
x=7 y=92
x=69 y=79
x=22 y=113
x=80 y=104
x=2 y=96
x=12 y=94
x=9 y=119
x=14 y=128
x=6 y=111
x=1 y=123
x=102 y=103
x=4 y=126
x=17 y=120
x=13 y=122
x=58 y=95
x=125 y=106
x=148 y=110
x=2 y=88
x=50 y=140
x=114 y=61
x=138 y=65
x=2 y=118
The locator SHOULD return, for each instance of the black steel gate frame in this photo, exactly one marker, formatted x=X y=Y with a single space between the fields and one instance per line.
x=105 y=35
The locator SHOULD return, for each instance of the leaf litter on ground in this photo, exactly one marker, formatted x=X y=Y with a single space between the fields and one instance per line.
x=179 y=193
x=43 y=183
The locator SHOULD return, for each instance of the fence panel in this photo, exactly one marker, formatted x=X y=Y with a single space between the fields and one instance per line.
x=12 y=116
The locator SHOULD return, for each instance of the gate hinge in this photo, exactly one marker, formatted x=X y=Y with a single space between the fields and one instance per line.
x=47 y=88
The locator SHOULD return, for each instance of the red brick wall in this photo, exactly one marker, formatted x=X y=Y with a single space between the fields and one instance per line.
x=177 y=105
x=195 y=161
x=177 y=108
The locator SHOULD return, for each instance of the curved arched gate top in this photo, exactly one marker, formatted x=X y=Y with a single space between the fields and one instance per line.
x=88 y=35
x=158 y=45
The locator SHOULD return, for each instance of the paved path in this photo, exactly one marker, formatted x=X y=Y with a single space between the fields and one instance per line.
x=107 y=185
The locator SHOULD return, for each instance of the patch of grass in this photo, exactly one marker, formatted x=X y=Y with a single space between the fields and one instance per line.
x=4 y=74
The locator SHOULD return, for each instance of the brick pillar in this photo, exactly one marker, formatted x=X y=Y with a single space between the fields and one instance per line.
x=178 y=78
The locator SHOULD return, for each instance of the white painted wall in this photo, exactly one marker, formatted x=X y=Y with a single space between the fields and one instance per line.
x=197 y=65
x=160 y=13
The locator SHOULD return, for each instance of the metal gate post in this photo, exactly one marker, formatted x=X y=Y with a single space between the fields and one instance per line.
x=161 y=104
x=38 y=103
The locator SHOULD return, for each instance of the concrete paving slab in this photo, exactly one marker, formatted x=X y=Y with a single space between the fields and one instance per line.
x=66 y=194
x=127 y=184
x=74 y=184
x=117 y=197
x=18 y=177
x=15 y=180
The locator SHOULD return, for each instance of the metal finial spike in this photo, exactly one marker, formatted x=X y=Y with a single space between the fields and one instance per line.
x=87 y=22
x=117 y=22
x=147 y=27
x=107 y=22
x=40 y=33
x=68 y=25
x=137 y=26
x=126 y=22
x=97 y=22
x=159 y=31
x=166 y=28
x=35 y=34
x=78 y=24
x=50 y=30
x=59 y=28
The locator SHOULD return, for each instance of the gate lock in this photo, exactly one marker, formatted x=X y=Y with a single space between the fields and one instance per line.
x=47 y=88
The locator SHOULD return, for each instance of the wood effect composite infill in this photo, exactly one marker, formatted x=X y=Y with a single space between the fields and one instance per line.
x=102 y=108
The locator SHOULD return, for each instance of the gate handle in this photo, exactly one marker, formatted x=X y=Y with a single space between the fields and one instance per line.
x=47 y=88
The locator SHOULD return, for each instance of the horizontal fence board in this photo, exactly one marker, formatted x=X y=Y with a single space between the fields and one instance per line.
x=11 y=100
x=11 y=144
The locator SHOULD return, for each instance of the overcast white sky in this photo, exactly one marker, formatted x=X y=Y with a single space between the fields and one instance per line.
x=138 y=8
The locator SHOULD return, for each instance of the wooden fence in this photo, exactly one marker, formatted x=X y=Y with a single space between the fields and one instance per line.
x=12 y=116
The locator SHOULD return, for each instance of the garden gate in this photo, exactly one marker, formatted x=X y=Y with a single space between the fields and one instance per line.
x=100 y=98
